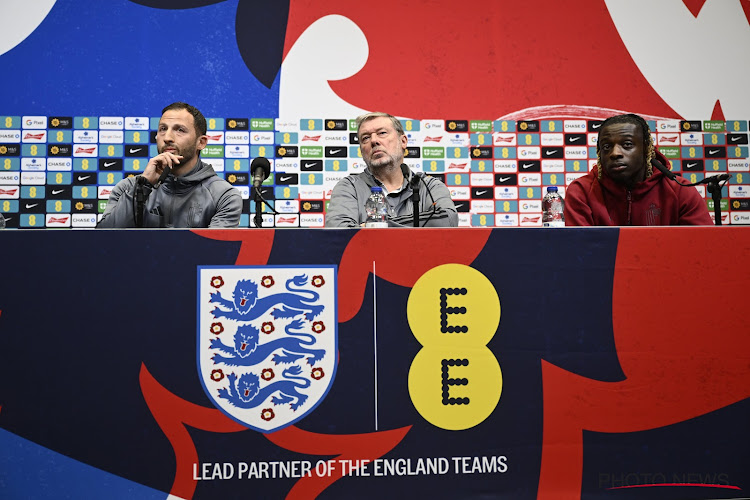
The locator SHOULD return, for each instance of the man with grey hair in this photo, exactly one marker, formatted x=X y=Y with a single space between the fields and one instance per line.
x=382 y=142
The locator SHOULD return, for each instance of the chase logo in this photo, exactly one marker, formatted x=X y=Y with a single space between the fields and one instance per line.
x=10 y=135
x=237 y=138
x=111 y=122
x=267 y=341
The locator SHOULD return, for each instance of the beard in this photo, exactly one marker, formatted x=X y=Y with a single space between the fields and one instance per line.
x=186 y=153
x=382 y=161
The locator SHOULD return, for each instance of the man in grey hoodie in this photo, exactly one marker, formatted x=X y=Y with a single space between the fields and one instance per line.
x=382 y=142
x=176 y=189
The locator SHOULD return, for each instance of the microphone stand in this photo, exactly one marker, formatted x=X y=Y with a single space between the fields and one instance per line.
x=258 y=219
x=715 y=189
x=415 y=199
x=139 y=200
x=712 y=182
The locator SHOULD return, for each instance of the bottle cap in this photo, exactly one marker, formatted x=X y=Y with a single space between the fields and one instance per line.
x=551 y=189
x=376 y=189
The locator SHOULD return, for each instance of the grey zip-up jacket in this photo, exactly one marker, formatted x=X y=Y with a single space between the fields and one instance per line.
x=197 y=199
x=347 y=205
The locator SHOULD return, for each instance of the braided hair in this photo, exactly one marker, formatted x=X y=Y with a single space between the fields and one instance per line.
x=648 y=141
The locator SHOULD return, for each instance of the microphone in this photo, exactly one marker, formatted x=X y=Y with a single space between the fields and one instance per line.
x=719 y=177
x=670 y=175
x=164 y=173
x=405 y=170
x=664 y=170
x=261 y=169
x=414 y=182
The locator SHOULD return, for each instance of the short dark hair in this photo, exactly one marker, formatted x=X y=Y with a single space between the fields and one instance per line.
x=198 y=118
x=628 y=118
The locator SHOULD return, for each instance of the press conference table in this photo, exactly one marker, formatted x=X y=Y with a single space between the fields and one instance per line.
x=595 y=363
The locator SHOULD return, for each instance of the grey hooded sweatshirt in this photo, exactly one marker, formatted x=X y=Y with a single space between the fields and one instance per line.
x=197 y=199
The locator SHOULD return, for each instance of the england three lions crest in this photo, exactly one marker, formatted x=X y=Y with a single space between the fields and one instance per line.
x=267 y=341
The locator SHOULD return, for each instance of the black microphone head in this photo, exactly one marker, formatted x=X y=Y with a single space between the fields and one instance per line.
x=405 y=170
x=663 y=169
x=261 y=162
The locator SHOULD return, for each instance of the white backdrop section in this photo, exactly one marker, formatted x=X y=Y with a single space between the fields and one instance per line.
x=667 y=43
x=332 y=48
x=19 y=19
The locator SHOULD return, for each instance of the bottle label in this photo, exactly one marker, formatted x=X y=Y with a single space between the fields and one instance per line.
x=376 y=224
x=554 y=223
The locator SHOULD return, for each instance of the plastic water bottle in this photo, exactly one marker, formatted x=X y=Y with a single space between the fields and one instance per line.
x=552 y=208
x=376 y=208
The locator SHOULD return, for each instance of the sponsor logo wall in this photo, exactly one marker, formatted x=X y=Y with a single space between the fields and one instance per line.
x=58 y=171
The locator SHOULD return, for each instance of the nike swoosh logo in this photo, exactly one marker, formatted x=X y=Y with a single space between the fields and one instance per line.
x=574 y=139
x=549 y=153
x=334 y=151
x=527 y=165
x=596 y=125
x=109 y=164
x=308 y=165
x=504 y=179
x=735 y=139
x=480 y=193
x=84 y=177
x=134 y=150
x=691 y=165
x=284 y=179
x=32 y=205
x=713 y=151
x=57 y=191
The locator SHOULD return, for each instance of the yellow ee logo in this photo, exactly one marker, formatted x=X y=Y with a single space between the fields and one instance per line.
x=454 y=381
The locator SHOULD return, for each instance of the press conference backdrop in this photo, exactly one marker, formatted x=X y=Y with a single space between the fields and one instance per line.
x=514 y=93
x=58 y=171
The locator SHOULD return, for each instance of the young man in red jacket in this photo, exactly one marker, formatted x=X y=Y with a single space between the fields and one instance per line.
x=624 y=190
